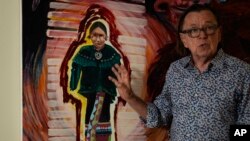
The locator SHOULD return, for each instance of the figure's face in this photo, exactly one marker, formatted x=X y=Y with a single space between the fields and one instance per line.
x=98 y=38
x=201 y=34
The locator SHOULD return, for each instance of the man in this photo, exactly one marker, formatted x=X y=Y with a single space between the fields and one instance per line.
x=204 y=92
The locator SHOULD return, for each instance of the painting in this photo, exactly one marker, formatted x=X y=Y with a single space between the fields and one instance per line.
x=69 y=47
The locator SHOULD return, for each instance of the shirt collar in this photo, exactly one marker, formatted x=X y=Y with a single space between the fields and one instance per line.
x=188 y=62
x=217 y=61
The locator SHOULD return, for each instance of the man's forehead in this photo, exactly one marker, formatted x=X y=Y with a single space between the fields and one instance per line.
x=204 y=16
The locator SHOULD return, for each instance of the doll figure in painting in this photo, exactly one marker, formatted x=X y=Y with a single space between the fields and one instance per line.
x=84 y=75
x=90 y=68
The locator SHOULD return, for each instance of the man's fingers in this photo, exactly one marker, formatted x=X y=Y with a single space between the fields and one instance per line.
x=121 y=70
x=121 y=74
x=118 y=68
x=118 y=76
x=113 y=80
x=122 y=67
x=124 y=70
x=117 y=84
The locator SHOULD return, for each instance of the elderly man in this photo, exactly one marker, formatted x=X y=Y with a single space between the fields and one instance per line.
x=204 y=92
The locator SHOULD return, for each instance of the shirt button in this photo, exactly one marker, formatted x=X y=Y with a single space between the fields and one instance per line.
x=196 y=95
x=188 y=135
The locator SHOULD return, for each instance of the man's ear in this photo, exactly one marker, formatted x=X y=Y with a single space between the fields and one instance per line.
x=183 y=39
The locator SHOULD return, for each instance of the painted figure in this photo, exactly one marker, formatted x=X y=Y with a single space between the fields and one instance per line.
x=84 y=72
x=91 y=67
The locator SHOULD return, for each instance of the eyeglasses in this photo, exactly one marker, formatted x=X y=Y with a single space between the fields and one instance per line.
x=195 y=32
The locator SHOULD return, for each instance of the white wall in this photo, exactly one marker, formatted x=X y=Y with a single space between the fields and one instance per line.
x=10 y=71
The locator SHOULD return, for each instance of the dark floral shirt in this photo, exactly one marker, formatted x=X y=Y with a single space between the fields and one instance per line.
x=202 y=106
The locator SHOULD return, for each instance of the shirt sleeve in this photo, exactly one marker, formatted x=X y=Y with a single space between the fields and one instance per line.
x=243 y=109
x=75 y=76
x=159 y=113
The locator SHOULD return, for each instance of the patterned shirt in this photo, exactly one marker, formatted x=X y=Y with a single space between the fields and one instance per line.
x=202 y=106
